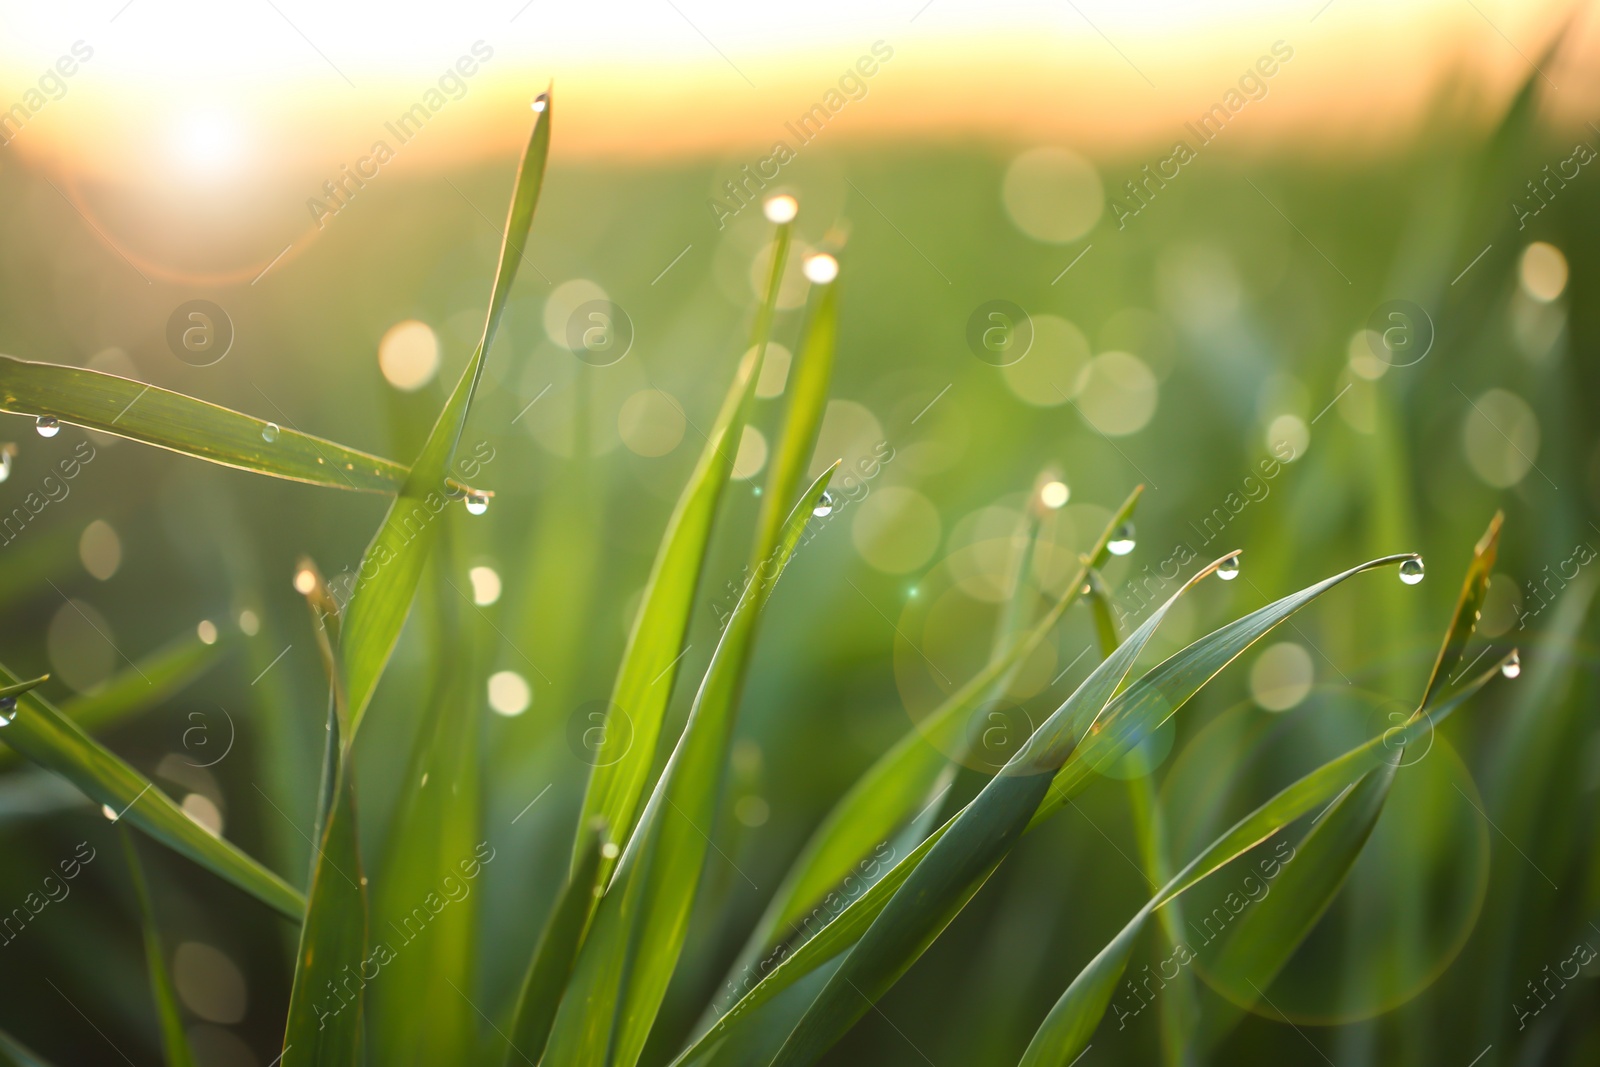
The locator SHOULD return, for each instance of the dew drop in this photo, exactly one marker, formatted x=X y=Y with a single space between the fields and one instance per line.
x=780 y=209
x=7 y=452
x=1228 y=569
x=1513 y=666
x=8 y=710
x=541 y=101
x=1411 y=571
x=477 y=503
x=109 y=812
x=824 y=506
x=269 y=432
x=47 y=425
x=1122 y=541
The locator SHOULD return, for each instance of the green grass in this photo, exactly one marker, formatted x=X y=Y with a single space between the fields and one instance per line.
x=429 y=903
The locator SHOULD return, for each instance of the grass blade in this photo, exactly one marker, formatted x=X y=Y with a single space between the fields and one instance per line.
x=173 y=1042
x=158 y=678
x=191 y=427
x=1068 y=1027
x=14 y=1053
x=401 y=544
x=46 y=737
x=553 y=956
x=638 y=931
x=428 y=897
x=331 y=962
x=898 y=784
x=655 y=644
x=969 y=850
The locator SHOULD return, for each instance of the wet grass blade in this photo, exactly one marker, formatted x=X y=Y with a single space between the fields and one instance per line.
x=639 y=928
x=1269 y=931
x=174 y=1044
x=1468 y=606
x=655 y=645
x=183 y=424
x=1067 y=1029
x=895 y=787
x=966 y=853
x=809 y=379
x=428 y=894
x=397 y=552
x=132 y=692
x=46 y=737
x=551 y=965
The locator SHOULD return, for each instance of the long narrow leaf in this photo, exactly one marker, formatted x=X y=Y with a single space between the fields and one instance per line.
x=1068 y=1027
x=155 y=416
x=46 y=737
x=398 y=550
x=174 y=1044
x=638 y=931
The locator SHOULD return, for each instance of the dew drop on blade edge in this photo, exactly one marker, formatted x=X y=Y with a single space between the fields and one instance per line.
x=269 y=432
x=1411 y=571
x=48 y=425
x=1513 y=666
x=1228 y=569
x=477 y=503
x=824 y=506
x=1122 y=541
x=8 y=710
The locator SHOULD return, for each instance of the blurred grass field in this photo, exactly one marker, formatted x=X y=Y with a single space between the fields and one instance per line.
x=1237 y=299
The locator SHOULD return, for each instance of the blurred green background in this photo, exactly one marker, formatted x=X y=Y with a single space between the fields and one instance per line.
x=1220 y=329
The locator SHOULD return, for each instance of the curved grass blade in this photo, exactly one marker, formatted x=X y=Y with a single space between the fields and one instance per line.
x=896 y=786
x=1465 y=620
x=655 y=645
x=174 y=1044
x=46 y=737
x=552 y=960
x=326 y=1000
x=1180 y=1009
x=808 y=398
x=1268 y=933
x=639 y=928
x=975 y=843
x=1179 y=681
x=396 y=554
x=1068 y=1027
x=158 y=677
x=178 y=423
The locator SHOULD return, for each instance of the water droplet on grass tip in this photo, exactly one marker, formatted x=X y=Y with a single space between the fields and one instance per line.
x=109 y=812
x=780 y=209
x=824 y=506
x=1411 y=571
x=1228 y=569
x=541 y=101
x=477 y=503
x=47 y=425
x=1513 y=666
x=1122 y=541
x=269 y=432
x=7 y=452
x=8 y=710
